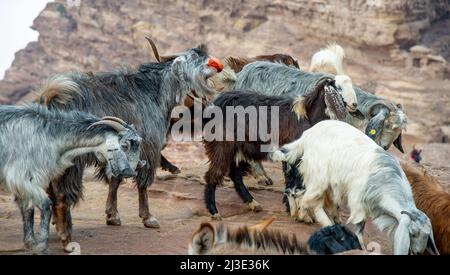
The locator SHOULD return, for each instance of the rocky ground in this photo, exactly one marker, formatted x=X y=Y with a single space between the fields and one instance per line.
x=178 y=204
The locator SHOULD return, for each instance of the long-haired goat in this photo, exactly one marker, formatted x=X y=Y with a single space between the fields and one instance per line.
x=230 y=158
x=433 y=200
x=384 y=121
x=334 y=157
x=38 y=145
x=259 y=240
x=144 y=97
x=245 y=240
x=328 y=60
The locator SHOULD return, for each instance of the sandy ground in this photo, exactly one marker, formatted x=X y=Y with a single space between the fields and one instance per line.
x=178 y=204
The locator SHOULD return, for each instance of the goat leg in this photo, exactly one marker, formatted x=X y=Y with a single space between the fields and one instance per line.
x=359 y=233
x=236 y=175
x=213 y=177
x=63 y=219
x=259 y=174
x=166 y=165
x=44 y=232
x=112 y=214
x=28 y=223
x=147 y=219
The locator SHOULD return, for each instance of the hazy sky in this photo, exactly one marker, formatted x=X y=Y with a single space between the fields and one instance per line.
x=16 y=18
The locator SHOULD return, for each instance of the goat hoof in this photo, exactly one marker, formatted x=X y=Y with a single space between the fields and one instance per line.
x=151 y=222
x=216 y=217
x=306 y=220
x=266 y=181
x=255 y=206
x=175 y=171
x=29 y=244
x=114 y=222
x=40 y=249
x=65 y=242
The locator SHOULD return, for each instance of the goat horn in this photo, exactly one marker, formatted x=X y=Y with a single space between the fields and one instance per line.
x=113 y=118
x=113 y=124
x=262 y=226
x=171 y=56
x=155 y=50
x=409 y=214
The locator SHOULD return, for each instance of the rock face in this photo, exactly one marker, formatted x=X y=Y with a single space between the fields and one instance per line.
x=102 y=35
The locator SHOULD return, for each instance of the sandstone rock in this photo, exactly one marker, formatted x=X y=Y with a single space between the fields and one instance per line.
x=103 y=35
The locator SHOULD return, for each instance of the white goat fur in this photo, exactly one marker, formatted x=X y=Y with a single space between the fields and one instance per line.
x=339 y=159
x=329 y=60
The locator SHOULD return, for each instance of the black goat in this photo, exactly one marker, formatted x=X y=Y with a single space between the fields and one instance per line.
x=230 y=158
x=333 y=239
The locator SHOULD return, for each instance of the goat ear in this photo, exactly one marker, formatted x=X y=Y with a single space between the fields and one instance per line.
x=431 y=245
x=376 y=123
x=203 y=240
x=179 y=70
x=401 y=237
x=398 y=143
x=334 y=102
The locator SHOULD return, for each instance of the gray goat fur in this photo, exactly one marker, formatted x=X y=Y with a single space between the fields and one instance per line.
x=144 y=97
x=276 y=79
x=37 y=145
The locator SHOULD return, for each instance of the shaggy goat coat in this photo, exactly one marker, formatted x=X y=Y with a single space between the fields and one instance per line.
x=434 y=201
x=337 y=158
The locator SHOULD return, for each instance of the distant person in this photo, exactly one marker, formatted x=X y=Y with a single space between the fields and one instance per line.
x=415 y=154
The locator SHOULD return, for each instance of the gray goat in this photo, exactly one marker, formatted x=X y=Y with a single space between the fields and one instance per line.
x=384 y=121
x=144 y=97
x=38 y=145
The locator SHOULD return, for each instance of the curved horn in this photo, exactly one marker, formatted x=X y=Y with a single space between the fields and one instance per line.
x=113 y=118
x=113 y=124
x=155 y=50
x=170 y=56
x=409 y=214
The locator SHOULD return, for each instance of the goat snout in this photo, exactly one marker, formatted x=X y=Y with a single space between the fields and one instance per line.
x=215 y=63
x=127 y=173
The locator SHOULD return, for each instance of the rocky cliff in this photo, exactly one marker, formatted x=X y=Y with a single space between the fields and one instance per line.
x=102 y=35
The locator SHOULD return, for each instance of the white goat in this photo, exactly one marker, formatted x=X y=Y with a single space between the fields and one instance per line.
x=337 y=159
x=329 y=60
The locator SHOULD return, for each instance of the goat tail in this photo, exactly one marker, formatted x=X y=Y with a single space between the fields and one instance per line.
x=289 y=153
x=58 y=89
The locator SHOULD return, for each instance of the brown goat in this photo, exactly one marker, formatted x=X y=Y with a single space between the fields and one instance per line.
x=237 y=63
x=255 y=240
x=432 y=199
x=245 y=240
x=231 y=158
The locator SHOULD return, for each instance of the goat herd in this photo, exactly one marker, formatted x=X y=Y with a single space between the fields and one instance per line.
x=334 y=138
